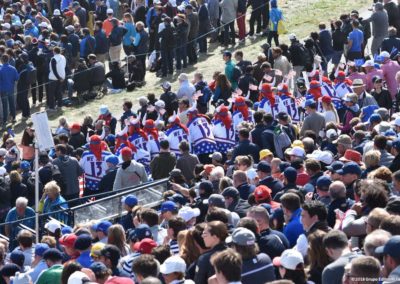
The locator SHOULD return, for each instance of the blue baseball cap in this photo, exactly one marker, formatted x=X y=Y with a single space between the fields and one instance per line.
x=140 y=232
x=66 y=230
x=263 y=167
x=290 y=174
x=335 y=166
x=323 y=182
x=110 y=138
x=375 y=118
x=41 y=248
x=17 y=257
x=392 y=247
x=168 y=206
x=310 y=102
x=112 y=159
x=98 y=267
x=178 y=198
x=396 y=144
x=25 y=166
x=83 y=242
x=102 y=227
x=350 y=168
x=131 y=200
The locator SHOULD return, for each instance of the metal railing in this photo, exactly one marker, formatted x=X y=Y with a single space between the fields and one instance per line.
x=103 y=208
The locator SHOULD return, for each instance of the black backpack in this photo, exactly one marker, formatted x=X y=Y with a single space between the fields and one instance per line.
x=306 y=56
x=237 y=72
x=58 y=178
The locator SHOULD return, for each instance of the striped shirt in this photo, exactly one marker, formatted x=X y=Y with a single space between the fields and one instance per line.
x=173 y=246
x=126 y=264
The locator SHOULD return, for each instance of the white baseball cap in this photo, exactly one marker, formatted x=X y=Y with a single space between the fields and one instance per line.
x=173 y=264
x=77 y=277
x=325 y=157
x=384 y=54
x=396 y=122
x=292 y=37
x=368 y=63
x=6 y=25
x=52 y=226
x=110 y=11
x=57 y=12
x=160 y=104
x=289 y=259
x=297 y=151
x=43 y=25
x=331 y=133
x=187 y=213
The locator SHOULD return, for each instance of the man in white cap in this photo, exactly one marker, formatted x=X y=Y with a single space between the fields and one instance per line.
x=390 y=69
x=173 y=270
x=189 y=215
x=371 y=71
x=186 y=89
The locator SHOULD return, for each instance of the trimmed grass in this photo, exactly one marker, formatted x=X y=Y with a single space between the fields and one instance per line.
x=301 y=17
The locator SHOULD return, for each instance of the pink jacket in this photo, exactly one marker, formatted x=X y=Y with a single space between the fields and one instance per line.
x=390 y=68
x=358 y=75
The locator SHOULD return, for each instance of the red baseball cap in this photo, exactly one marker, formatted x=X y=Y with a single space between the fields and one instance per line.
x=351 y=156
x=76 y=126
x=262 y=192
x=68 y=240
x=326 y=99
x=145 y=246
x=126 y=151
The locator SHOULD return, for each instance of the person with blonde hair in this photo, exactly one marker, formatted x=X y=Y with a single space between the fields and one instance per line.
x=330 y=113
x=52 y=200
x=371 y=160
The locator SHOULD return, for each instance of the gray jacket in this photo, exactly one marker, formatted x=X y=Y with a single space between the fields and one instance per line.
x=70 y=170
x=213 y=9
x=228 y=10
x=366 y=99
x=134 y=174
x=380 y=23
x=386 y=159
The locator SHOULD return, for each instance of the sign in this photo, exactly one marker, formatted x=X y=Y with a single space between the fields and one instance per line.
x=44 y=138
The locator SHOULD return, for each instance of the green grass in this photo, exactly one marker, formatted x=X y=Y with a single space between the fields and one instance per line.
x=301 y=17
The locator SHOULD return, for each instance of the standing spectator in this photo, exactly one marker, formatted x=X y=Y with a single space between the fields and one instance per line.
x=391 y=254
x=23 y=85
x=204 y=26
x=187 y=162
x=355 y=41
x=213 y=10
x=87 y=44
x=69 y=168
x=130 y=36
x=245 y=146
x=230 y=69
x=182 y=32
x=141 y=47
x=8 y=76
x=392 y=41
x=256 y=10
x=163 y=163
x=296 y=50
x=167 y=45
x=228 y=16
x=56 y=78
x=116 y=36
x=392 y=10
x=193 y=20
x=228 y=267
x=390 y=69
x=381 y=94
x=338 y=42
x=325 y=42
x=101 y=45
x=280 y=61
x=241 y=19
x=314 y=121
x=275 y=16
x=380 y=25
x=107 y=23
x=186 y=89
x=53 y=259
x=292 y=214
x=80 y=12
x=130 y=173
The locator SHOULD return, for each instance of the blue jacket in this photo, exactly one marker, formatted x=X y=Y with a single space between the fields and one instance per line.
x=275 y=16
x=33 y=31
x=102 y=44
x=85 y=259
x=8 y=76
x=87 y=46
x=245 y=190
x=294 y=228
x=131 y=32
x=74 y=40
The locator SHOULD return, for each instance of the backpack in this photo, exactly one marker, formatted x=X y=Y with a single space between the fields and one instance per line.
x=237 y=72
x=306 y=56
x=32 y=74
x=58 y=178
x=281 y=141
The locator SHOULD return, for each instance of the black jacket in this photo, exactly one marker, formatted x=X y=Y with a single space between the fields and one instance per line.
x=296 y=54
x=77 y=140
x=343 y=204
x=247 y=148
x=117 y=78
x=204 y=269
x=57 y=25
x=244 y=82
x=256 y=134
x=240 y=207
x=182 y=32
x=395 y=166
x=272 y=242
x=107 y=181
x=389 y=43
x=274 y=184
x=167 y=36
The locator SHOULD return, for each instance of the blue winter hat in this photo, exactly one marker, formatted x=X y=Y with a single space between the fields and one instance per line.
x=274 y=4
x=25 y=166
x=112 y=159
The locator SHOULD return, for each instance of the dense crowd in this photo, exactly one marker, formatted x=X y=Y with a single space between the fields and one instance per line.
x=282 y=170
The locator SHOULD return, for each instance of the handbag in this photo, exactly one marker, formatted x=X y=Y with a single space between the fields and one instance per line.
x=281 y=28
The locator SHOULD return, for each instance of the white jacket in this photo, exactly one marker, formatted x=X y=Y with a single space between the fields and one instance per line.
x=61 y=64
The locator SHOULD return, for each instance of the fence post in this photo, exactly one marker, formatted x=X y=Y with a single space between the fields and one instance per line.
x=37 y=192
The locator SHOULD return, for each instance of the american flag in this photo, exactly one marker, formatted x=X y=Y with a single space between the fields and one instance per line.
x=300 y=101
